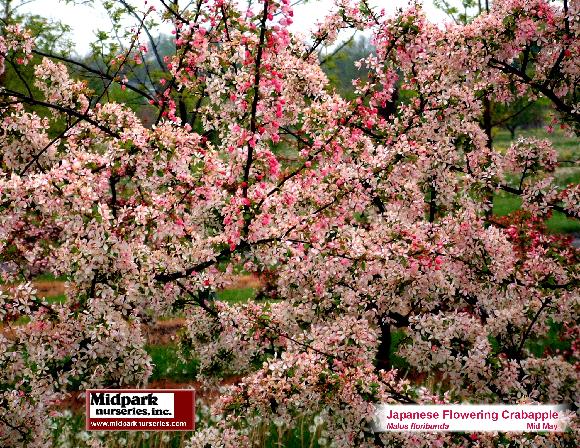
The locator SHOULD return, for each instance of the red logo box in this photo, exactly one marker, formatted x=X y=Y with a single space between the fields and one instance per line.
x=140 y=409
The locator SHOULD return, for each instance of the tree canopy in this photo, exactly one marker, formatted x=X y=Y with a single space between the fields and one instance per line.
x=368 y=215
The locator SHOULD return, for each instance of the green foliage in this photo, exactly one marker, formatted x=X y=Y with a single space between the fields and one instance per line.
x=50 y=36
x=398 y=362
x=552 y=344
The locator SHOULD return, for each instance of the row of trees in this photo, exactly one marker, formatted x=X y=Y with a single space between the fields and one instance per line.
x=379 y=222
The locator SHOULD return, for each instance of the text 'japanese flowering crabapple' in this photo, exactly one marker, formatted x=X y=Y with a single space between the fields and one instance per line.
x=381 y=222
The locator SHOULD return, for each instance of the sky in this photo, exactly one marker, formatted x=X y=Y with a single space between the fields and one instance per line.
x=86 y=20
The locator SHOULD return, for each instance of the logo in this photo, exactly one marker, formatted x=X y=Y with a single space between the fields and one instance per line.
x=140 y=409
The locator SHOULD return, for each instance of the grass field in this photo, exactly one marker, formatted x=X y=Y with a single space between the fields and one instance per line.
x=168 y=366
x=504 y=204
x=568 y=149
x=238 y=295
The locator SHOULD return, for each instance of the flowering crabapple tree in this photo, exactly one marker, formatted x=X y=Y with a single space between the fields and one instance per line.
x=378 y=223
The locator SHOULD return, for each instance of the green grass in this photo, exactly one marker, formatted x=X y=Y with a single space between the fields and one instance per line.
x=567 y=176
x=559 y=223
x=298 y=436
x=168 y=366
x=47 y=276
x=568 y=147
x=233 y=296
x=56 y=299
x=504 y=204
x=69 y=430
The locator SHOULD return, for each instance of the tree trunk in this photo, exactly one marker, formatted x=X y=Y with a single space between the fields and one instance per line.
x=487 y=123
x=487 y=126
x=6 y=20
x=384 y=351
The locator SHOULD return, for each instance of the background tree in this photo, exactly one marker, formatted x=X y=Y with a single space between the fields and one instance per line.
x=341 y=65
x=521 y=113
x=49 y=36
